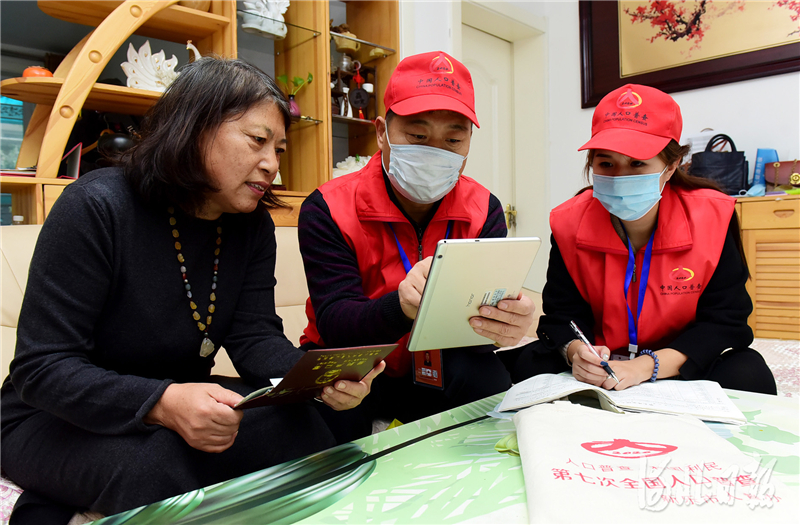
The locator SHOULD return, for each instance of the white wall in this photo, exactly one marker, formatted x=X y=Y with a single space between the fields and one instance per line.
x=426 y=25
x=756 y=113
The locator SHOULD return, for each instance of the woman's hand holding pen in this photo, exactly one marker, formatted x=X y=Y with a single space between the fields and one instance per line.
x=586 y=367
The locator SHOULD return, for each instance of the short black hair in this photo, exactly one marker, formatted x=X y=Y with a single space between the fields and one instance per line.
x=167 y=166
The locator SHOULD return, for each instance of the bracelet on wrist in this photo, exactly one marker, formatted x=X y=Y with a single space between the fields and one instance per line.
x=655 y=367
x=564 y=351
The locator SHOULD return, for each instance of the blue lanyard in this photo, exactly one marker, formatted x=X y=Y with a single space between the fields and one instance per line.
x=403 y=256
x=633 y=345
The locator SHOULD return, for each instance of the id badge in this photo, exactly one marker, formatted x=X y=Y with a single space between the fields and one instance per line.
x=428 y=368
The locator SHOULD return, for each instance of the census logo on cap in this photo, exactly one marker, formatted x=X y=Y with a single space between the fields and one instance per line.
x=635 y=120
x=629 y=100
x=430 y=82
x=441 y=64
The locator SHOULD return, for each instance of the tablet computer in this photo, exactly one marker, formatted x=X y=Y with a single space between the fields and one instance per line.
x=466 y=274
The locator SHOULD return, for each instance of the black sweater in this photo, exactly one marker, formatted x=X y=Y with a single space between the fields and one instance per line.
x=106 y=325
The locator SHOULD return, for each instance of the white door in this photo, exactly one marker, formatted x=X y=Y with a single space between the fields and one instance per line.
x=491 y=154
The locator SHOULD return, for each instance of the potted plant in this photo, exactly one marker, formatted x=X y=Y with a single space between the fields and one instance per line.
x=297 y=83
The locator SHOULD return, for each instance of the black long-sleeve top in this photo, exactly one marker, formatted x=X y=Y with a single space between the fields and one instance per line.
x=106 y=325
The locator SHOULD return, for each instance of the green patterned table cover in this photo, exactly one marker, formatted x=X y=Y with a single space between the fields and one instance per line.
x=441 y=469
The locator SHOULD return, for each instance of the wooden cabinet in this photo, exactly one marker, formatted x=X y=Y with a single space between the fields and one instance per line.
x=771 y=235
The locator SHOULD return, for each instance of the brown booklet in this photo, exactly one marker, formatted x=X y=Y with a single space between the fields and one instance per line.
x=316 y=370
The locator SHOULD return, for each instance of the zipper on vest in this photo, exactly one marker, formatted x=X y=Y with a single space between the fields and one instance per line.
x=420 y=233
x=634 y=270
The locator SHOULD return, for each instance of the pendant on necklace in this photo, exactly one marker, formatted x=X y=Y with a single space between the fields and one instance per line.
x=206 y=347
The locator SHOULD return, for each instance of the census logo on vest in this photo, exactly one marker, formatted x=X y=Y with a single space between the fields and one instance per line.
x=629 y=100
x=441 y=64
x=680 y=281
x=681 y=275
x=624 y=448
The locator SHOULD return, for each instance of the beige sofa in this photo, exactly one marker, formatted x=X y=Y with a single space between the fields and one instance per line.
x=17 y=244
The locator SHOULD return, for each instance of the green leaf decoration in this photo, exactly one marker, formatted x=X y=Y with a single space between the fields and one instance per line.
x=297 y=82
x=284 y=493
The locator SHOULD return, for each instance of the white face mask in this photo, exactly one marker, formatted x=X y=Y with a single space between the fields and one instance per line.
x=422 y=174
x=629 y=197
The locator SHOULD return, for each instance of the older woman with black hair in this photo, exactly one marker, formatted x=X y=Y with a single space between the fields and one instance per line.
x=141 y=272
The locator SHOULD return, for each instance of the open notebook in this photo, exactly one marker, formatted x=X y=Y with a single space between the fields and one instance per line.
x=702 y=399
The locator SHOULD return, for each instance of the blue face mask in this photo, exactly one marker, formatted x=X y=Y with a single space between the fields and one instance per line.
x=628 y=197
x=422 y=174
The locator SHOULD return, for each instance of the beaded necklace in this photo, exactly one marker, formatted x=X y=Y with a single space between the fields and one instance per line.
x=206 y=347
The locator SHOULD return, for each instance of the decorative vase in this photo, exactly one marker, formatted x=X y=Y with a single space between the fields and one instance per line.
x=294 y=109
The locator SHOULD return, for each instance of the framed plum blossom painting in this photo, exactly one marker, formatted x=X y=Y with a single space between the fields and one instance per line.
x=681 y=44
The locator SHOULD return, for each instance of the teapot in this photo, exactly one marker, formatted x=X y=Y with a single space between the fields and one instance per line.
x=346 y=63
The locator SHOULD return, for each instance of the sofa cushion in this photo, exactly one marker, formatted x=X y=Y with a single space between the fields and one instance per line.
x=16 y=250
x=291 y=289
x=291 y=292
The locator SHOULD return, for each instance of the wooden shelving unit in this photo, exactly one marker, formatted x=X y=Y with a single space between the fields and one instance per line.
x=60 y=99
x=308 y=162
x=101 y=97
x=173 y=23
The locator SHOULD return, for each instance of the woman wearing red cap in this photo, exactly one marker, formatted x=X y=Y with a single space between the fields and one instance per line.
x=647 y=262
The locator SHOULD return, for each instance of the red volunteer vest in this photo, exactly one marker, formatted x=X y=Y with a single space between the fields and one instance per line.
x=692 y=226
x=362 y=209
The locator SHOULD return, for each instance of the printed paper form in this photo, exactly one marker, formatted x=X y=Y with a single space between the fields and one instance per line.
x=689 y=397
x=540 y=389
x=703 y=399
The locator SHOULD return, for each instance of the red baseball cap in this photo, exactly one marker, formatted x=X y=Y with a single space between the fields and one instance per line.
x=635 y=120
x=429 y=82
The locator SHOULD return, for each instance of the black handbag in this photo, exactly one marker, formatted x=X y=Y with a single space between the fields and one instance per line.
x=729 y=169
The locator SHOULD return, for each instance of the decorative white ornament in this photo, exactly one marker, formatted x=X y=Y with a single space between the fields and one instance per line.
x=148 y=71
x=265 y=18
x=350 y=165
x=194 y=50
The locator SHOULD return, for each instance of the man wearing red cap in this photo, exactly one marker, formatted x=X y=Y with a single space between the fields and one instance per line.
x=367 y=239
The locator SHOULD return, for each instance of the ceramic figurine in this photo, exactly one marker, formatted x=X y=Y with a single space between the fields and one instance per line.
x=265 y=18
x=149 y=71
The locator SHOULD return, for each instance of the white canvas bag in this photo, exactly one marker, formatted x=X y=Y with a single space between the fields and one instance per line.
x=585 y=465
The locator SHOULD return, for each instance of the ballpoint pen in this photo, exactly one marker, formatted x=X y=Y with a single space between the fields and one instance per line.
x=585 y=341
